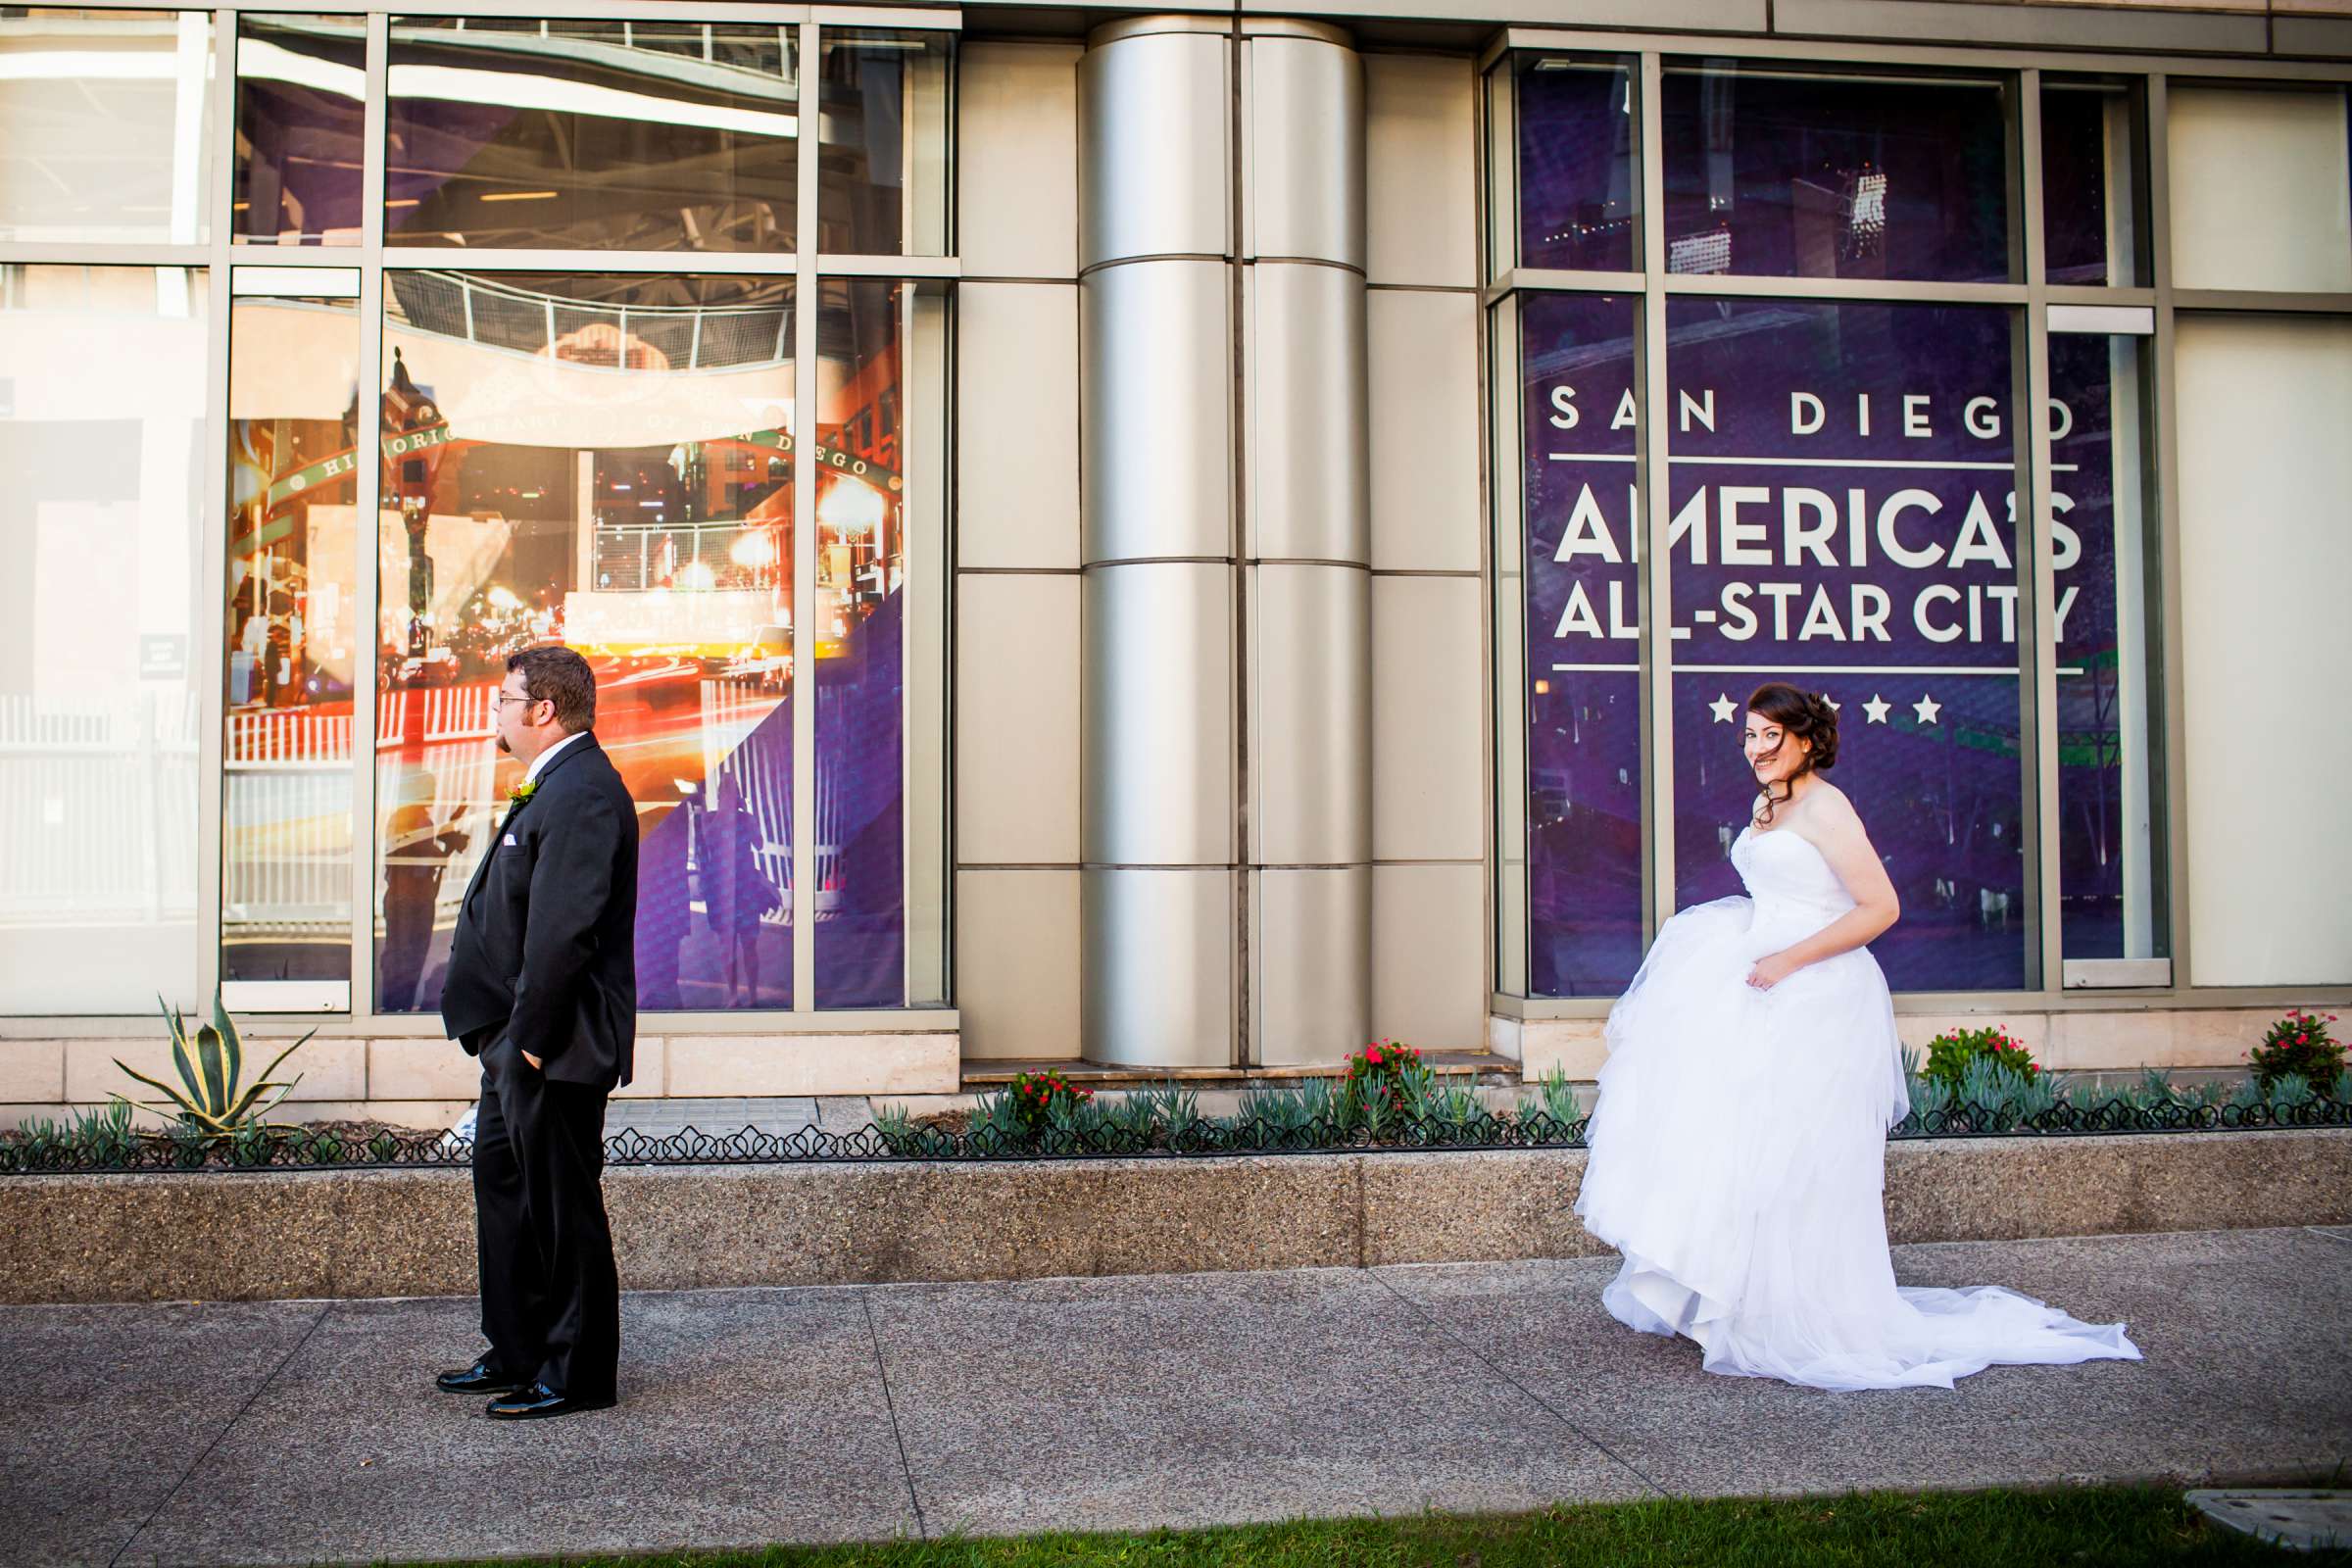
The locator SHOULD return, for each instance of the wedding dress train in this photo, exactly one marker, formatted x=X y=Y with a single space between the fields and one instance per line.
x=1737 y=1158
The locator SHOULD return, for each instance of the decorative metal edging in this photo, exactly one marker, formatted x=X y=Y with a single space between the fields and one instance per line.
x=873 y=1144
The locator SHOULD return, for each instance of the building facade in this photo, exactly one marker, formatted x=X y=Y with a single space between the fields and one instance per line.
x=1275 y=515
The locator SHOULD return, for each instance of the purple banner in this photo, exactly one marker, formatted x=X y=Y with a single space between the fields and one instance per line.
x=1842 y=488
x=1584 y=707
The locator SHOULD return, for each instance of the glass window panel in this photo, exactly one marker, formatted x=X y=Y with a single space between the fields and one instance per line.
x=1580 y=184
x=2261 y=187
x=1780 y=173
x=583 y=485
x=99 y=709
x=593 y=135
x=883 y=167
x=104 y=128
x=299 y=86
x=2109 y=843
x=2091 y=180
x=861 y=647
x=1841 y=482
x=293 y=628
x=1584 y=726
x=2266 y=549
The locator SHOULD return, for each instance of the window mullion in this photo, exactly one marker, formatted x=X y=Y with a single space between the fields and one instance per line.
x=369 y=499
x=805 y=311
x=1655 y=587
x=2037 y=578
x=211 y=523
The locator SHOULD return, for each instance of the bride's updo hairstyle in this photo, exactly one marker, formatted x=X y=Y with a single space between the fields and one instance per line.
x=1801 y=716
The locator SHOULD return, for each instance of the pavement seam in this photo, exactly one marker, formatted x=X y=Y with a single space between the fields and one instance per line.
x=2330 y=1235
x=226 y=1427
x=882 y=1370
x=1464 y=1340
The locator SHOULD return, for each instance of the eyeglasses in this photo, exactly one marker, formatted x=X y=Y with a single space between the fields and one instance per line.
x=503 y=699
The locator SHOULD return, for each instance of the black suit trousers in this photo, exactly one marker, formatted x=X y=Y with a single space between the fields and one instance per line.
x=551 y=1293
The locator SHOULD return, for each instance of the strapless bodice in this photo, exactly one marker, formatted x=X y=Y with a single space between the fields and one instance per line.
x=1788 y=879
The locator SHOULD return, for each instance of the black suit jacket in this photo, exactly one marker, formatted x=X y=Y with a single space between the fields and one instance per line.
x=546 y=940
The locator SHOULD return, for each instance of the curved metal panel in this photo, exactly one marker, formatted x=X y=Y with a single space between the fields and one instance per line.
x=1155 y=390
x=1152 y=159
x=1158 y=966
x=1309 y=463
x=1307 y=150
x=1311 y=715
x=1311 y=963
x=1157 y=724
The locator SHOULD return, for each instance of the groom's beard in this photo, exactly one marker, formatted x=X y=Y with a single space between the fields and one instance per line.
x=504 y=748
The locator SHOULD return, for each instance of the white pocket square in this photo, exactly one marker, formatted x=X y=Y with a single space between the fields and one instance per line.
x=510 y=838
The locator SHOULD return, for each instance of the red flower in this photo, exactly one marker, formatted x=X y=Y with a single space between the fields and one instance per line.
x=1372 y=1054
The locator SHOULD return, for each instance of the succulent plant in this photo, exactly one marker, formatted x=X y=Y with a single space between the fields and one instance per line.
x=214 y=1103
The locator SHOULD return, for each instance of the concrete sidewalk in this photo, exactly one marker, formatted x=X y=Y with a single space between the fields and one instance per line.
x=296 y=1431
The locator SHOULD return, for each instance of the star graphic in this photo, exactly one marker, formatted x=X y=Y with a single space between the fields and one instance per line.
x=1926 y=707
x=1835 y=707
x=1875 y=710
x=1722 y=707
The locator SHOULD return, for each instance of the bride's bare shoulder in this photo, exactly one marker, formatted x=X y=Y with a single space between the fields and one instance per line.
x=1828 y=806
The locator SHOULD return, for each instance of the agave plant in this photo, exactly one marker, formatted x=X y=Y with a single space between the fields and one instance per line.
x=215 y=1103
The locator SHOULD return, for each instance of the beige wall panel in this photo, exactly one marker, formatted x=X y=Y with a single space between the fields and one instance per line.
x=1016 y=730
x=32 y=1070
x=1016 y=447
x=1426 y=774
x=1422 y=359
x=327 y=1068
x=723 y=1066
x=2266 y=548
x=1310 y=952
x=1420 y=165
x=1016 y=962
x=1428 y=955
x=1016 y=154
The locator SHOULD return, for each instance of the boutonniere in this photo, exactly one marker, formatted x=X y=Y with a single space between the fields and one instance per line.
x=524 y=791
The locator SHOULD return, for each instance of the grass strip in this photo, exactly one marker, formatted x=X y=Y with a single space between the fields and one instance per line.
x=1996 y=1528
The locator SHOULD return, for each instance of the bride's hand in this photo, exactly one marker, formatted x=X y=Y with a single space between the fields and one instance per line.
x=1769 y=970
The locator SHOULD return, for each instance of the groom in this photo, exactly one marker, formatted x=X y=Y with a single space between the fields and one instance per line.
x=542 y=987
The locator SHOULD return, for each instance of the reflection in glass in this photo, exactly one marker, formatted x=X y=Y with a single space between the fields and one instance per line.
x=575 y=481
x=2092 y=182
x=104 y=125
x=861 y=637
x=99 y=523
x=299 y=86
x=292 y=630
x=1584 y=726
x=1842 y=482
x=883 y=167
x=1580 y=185
x=596 y=135
x=2110 y=853
x=1775 y=172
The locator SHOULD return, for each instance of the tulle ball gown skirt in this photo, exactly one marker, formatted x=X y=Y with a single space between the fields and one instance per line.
x=1738 y=1162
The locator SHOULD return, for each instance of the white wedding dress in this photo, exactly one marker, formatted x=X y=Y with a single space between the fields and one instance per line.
x=1738 y=1157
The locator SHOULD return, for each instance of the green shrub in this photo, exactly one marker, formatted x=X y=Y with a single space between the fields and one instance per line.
x=1384 y=1080
x=1950 y=1054
x=2300 y=1045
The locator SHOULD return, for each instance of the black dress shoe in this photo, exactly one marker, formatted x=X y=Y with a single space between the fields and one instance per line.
x=480 y=1377
x=538 y=1402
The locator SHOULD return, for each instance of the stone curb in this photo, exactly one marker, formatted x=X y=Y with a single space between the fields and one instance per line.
x=366 y=1234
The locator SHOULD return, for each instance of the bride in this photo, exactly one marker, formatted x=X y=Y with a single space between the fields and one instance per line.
x=1738 y=1149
